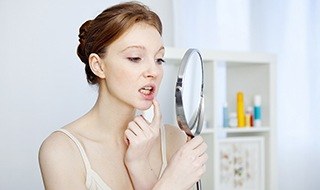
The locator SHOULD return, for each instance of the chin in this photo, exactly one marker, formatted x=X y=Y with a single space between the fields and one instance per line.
x=144 y=106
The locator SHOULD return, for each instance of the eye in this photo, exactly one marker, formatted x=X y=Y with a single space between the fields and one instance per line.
x=134 y=59
x=160 y=61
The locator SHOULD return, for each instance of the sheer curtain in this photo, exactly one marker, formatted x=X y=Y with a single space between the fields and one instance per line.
x=291 y=30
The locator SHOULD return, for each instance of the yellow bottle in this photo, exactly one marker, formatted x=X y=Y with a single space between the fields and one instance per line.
x=240 y=110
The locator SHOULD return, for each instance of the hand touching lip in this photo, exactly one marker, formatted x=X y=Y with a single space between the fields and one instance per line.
x=141 y=136
x=141 y=126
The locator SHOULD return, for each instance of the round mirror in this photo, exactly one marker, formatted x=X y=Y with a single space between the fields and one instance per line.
x=189 y=93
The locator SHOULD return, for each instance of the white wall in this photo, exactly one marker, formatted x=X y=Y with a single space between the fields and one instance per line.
x=42 y=81
x=289 y=28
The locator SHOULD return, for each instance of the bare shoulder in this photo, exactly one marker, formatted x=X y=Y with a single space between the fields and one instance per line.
x=60 y=161
x=175 y=139
x=58 y=145
x=54 y=146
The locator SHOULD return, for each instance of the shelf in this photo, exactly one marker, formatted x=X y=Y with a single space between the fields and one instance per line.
x=246 y=130
x=207 y=131
x=237 y=130
x=226 y=73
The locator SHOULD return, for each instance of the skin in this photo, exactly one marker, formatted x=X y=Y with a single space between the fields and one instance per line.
x=124 y=149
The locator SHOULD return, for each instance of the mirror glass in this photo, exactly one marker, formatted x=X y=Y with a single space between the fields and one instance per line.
x=189 y=93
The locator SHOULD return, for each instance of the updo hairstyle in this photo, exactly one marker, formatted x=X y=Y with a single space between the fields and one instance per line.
x=97 y=34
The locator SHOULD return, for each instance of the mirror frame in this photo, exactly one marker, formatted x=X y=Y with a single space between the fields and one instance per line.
x=198 y=114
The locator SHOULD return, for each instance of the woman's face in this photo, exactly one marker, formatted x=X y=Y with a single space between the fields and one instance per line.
x=134 y=66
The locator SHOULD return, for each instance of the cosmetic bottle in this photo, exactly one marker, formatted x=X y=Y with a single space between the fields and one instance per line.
x=233 y=120
x=240 y=110
x=257 y=110
x=225 y=115
x=249 y=117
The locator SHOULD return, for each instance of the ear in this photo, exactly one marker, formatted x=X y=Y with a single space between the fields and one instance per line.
x=96 y=65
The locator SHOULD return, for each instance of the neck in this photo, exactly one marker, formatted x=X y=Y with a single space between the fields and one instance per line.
x=110 y=116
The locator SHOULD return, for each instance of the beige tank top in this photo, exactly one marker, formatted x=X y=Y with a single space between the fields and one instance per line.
x=93 y=180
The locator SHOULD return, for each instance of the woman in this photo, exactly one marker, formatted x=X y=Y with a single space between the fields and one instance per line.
x=110 y=147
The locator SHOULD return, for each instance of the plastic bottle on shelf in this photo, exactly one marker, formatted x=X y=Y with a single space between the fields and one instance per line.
x=257 y=110
x=233 y=120
x=240 y=109
x=225 y=115
x=249 y=116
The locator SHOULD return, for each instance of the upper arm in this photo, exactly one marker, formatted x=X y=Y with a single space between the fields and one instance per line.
x=61 y=164
x=176 y=138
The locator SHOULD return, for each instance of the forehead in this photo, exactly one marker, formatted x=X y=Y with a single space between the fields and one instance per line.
x=140 y=34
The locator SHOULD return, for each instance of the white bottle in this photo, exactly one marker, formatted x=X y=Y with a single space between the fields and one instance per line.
x=233 y=120
x=257 y=110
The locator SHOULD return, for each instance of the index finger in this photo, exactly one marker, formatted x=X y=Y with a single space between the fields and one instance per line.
x=156 y=121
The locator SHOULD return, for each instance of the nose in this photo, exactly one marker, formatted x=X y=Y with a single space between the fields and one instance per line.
x=152 y=69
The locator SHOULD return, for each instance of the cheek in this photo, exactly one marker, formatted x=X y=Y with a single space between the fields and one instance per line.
x=124 y=79
x=160 y=76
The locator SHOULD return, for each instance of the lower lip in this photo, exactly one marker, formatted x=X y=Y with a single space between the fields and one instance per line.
x=148 y=96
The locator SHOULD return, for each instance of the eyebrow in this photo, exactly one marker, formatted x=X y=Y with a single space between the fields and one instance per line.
x=140 y=47
x=131 y=47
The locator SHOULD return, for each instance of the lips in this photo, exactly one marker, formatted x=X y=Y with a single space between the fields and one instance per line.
x=148 y=91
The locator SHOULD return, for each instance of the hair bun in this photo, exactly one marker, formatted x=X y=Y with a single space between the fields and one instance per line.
x=83 y=32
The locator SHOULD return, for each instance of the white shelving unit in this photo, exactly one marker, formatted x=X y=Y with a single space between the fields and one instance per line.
x=226 y=73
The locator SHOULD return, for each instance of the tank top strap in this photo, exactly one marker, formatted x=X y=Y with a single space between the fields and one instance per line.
x=163 y=149
x=82 y=152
